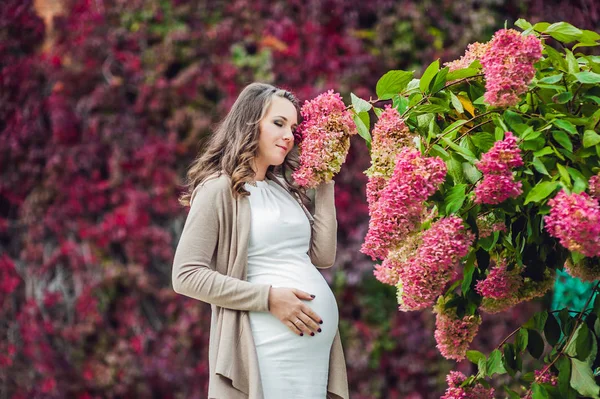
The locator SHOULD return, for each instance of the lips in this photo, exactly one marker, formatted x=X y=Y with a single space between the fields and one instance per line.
x=283 y=148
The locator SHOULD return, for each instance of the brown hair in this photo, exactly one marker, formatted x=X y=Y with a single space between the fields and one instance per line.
x=234 y=144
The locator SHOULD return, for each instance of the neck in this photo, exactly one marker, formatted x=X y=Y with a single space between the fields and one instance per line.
x=260 y=171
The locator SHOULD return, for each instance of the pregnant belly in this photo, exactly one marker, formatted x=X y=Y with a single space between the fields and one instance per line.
x=270 y=331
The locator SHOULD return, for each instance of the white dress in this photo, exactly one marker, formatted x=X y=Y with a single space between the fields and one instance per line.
x=290 y=366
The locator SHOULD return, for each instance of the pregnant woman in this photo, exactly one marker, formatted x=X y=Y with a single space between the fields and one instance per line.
x=251 y=249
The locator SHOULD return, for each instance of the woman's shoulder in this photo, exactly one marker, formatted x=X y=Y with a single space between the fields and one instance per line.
x=213 y=187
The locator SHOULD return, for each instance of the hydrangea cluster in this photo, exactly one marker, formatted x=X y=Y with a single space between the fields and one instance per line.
x=390 y=134
x=325 y=139
x=575 y=220
x=401 y=205
x=508 y=66
x=488 y=224
x=528 y=290
x=498 y=181
x=594 y=186
x=500 y=283
x=455 y=391
x=386 y=274
x=399 y=257
x=474 y=52
x=454 y=334
x=423 y=277
x=587 y=269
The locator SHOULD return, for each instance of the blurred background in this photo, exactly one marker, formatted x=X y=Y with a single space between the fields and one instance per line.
x=104 y=104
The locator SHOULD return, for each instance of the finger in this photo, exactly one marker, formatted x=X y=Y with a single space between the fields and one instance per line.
x=310 y=324
x=311 y=313
x=299 y=323
x=294 y=328
x=303 y=295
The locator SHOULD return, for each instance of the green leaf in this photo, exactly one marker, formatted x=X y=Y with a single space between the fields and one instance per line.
x=483 y=141
x=563 y=139
x=579 y=181
x=454 y=126
x=541 y=26
x=400 y=103
x=552 y=79
x=509 y=361
x=539 y=392
x=475 y=356
x=430 y=108
x=494 y=363
x=588 y=77
x=456 y=103
x=461 y=74
x=359 y=104
x=582 y=379
x=464 y=152
x=565 y=125
x=584 y=342
x=522 y=339
x=455 y=197
x=564 y=174
x=564 y=375
x=428 y=75
x=523 y=24
x=563 y=32
x=572 y=64
x=363 y=131
x=590 y=138
x=471 y=172
x=544 y=151
x=539 y=166
x=468 y=275
x=393 y=82
x=541 y=191
x=562 y=98
x=552 y=330
x=535 y=344
x=440 y=80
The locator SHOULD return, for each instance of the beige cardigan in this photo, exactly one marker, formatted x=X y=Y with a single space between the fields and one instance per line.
x=210 y=265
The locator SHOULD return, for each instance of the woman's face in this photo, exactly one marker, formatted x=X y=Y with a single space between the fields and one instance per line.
x=276 y=137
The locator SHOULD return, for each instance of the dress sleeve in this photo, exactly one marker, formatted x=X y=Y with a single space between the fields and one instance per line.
x=324 y=230
x=192 y=273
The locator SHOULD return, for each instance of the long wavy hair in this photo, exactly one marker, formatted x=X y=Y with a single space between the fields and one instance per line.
x=234 y=144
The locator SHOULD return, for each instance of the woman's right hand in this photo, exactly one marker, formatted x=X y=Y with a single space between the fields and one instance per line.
x=286 y=305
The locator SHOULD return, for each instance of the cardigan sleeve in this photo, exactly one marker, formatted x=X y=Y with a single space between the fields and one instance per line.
x=192 y=274
x=324 y=230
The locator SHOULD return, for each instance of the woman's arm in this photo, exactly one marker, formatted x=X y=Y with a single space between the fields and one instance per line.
x=324 y=229
x=192 y=275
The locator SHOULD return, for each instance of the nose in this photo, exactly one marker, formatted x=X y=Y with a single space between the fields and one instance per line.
x=289 y=135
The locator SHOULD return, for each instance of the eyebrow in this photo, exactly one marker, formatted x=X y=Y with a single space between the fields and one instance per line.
x=284 y=118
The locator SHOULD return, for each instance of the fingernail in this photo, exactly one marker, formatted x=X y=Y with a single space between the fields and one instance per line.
x=301 y=334
x=319 y=330
x=321 y=322
x=312 y=334
x=312 y=296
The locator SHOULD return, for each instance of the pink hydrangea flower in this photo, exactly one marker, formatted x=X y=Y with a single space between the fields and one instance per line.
x=528 y=290
x=508 y=66
x=594 y=186
x=386 y=274
x=474 y=52
x=494 y=189
x=325 y=139
x=390 y=134
x=455 y=391
x=500 y=283
x=575 y=220
x=498 y=182
x=422 y=278
x=453 y=334
x=401 y=204
x=502 y=157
